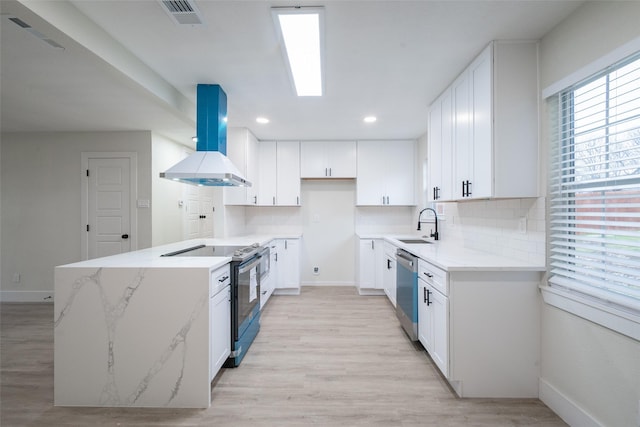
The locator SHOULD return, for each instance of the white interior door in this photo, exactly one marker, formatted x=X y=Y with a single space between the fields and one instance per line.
x=192 y=212
x=109 y=206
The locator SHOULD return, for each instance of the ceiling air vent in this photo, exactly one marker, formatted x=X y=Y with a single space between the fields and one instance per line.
x=183 y=12
x=20 y=23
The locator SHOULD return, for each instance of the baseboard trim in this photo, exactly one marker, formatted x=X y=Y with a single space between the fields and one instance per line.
x=327 y=284
x=371 y=292
x=566 y=408
x=26 y=296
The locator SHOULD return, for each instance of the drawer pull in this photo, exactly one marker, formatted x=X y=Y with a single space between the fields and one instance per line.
x=429 y=275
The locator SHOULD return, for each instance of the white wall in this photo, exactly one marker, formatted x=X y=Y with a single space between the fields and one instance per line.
x=167 y=214
x=328 y=227
x=40 y=202
x=587 y=370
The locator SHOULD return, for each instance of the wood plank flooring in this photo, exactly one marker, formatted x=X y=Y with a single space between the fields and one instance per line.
x=327 y=357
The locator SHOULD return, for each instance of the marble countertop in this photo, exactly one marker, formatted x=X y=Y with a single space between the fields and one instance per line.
x=454 y=257
x=151 y=257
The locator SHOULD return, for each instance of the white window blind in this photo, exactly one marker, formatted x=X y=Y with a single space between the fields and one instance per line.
x=595 y=187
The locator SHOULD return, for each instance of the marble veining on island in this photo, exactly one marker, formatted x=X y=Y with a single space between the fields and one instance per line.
x=131 y=337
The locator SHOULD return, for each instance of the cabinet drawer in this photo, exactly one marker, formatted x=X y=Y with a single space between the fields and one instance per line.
x=220 y=278
x=433 y=276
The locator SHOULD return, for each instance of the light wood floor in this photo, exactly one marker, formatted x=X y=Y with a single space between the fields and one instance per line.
x=327 y=357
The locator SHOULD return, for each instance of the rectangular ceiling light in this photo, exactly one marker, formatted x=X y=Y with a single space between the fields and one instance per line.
x=301 y=32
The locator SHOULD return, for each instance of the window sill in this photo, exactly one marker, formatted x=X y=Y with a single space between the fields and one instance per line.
x=617 y=320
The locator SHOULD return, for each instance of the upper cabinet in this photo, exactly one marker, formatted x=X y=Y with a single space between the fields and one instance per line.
x=279 y=173
x=386 y=173
x=440 y=148
x=242 y=150
x=328 y=159
x=483 y=130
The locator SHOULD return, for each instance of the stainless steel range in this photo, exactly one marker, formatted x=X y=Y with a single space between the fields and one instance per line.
x=248 y=265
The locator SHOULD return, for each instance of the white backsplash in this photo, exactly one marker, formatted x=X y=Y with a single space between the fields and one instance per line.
x=274 y=219
x=387 y=219
x=513 y=227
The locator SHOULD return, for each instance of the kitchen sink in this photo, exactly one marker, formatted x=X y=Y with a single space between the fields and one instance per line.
x=414 y=241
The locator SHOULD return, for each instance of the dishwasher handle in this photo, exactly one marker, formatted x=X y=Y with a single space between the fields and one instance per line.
x=407 y=260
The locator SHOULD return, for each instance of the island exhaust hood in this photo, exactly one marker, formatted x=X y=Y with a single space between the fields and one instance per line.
x=209 y=165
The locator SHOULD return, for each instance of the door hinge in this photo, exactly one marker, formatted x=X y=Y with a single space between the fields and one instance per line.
x=87 y=227
x=87 y=172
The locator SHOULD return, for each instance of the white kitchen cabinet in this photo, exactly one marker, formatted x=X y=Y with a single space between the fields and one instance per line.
x=386 y=173
x=433 y=314
x=494 y=126
x=272 y=279
x=481 y=329
x=328 y=159
x=242 y=150
x=389 y=271
x=267 y=153
x=279 y=173
x=370 y=254
x=219 y=319
x=288 y=173
x=288 y=268
x=440 y=148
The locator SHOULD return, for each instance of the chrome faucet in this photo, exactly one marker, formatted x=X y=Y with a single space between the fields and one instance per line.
x=434 y=235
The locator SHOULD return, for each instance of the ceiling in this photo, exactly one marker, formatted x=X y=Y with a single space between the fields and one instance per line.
x=126 y=65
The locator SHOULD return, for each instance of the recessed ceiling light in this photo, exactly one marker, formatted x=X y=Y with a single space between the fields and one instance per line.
x=262 y=120
x=370 y=119
x=301 y=30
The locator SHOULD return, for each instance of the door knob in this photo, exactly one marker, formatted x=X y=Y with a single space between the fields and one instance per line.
x=125 y=236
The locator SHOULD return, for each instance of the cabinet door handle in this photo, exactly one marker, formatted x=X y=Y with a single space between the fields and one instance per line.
x=297 y=200
x=468 y=188
x=463 y=189
x=428 y=293
x=424 y=293
x=255 y=200
x=329 y=171
x=326 y=172
x=285 y=245
x=274 y=200
x=388 y=264
x=372 y=247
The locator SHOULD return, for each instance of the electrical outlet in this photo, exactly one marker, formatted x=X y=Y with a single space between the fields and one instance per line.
x=16 y=277
x=522 y=225
x=316 y=271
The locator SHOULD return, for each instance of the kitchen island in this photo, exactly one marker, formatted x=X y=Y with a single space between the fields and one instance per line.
x=134 y=329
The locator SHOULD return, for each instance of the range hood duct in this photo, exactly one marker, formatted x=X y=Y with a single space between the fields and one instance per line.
x=209 y=165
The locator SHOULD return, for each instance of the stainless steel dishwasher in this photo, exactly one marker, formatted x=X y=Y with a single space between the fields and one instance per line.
x=407 y=292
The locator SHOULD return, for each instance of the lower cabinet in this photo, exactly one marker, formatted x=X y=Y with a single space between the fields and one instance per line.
x=268 y=286
x=219 y=319
x=369 y=266
x=481 y=329
x=433 y=315
x=288 y=266
x=389 y=272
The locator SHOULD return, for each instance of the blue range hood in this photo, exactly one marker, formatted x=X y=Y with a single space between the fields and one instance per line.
x=209 y=165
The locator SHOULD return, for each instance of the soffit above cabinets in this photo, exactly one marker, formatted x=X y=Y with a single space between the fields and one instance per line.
x=128 y=65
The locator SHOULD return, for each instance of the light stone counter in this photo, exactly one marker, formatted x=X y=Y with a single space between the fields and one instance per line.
x=453 y=257
x=133 y=329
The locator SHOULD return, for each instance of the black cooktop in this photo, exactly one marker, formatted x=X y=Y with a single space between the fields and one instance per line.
x=237 y=252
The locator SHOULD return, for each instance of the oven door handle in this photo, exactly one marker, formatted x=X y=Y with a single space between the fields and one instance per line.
x=246 y=267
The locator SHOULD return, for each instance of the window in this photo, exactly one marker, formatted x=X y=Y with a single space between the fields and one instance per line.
x=595 y=189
